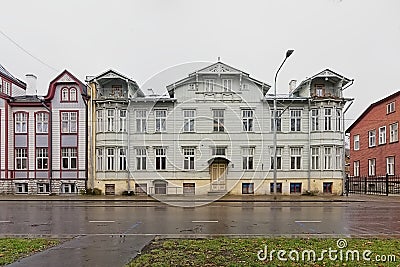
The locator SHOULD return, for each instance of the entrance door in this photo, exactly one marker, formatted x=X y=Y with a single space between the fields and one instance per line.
x=218 y=176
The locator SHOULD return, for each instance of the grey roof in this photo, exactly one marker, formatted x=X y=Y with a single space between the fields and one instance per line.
x=8 y=75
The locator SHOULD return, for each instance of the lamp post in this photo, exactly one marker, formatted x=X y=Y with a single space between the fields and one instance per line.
x=288 y=53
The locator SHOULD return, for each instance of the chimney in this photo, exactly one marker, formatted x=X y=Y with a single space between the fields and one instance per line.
x=31 y=80
x=150 y=91
x=292 y=86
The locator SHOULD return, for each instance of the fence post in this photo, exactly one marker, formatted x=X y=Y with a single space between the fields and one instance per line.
x=365 y=185
x=387 y=184
x=346 y=185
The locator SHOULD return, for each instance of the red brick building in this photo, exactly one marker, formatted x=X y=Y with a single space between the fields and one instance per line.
x=374 y=139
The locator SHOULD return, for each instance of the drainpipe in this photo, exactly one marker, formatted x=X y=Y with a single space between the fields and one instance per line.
x=127 y=124
x=309 y=147
x=85 y=100
x=344 y=147
x=50 y=154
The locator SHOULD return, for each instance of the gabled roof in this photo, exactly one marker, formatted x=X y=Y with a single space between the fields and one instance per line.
x=9 y=76
x=109 y=74
x=392 y=96
x=65 y=77
x=327 y=74
x=217 y=68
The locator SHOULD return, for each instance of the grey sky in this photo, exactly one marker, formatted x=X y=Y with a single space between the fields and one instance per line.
x=359 y=39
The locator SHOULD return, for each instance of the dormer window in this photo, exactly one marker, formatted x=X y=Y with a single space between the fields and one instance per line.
x=319 y=90
x=116 y=91
x=6 y=87
x=68 y=94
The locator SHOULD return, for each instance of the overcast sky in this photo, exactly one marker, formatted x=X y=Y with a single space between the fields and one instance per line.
x=358 y=39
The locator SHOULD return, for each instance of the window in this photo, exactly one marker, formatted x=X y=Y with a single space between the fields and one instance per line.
x=68 y=188
x=42 y=122
x=278 y=120
x=69 y=122
x=188 y=160
x=371 y=167
x=382 y=135
x=394 y=132
x=356 y=141
x=6 y=87
x=161 y=120
x=295 y=158
x=110 y=159
x=278 y=158
x=278 y=187
x=295 y=188
x=248 y=158
x=339 y=158
x=390 y=107
x=209 y=85
x=219 y=151
x=21 y=159
x=141 y=159
x=315 y=162
x=42 y=159
x=21 y=120
x=247 y=119
x=69 y=158
x=390 y=165
x=218 y=116
x=295 y=120
x=227 y=84
x=371 y=138
x=141 y=121
x=99 y=159
x=100 y=121
x=21 y=188
x=356 y=171
x=116 y=90
x=328 y=158
x=122 y=120
x=43 y=188
x=110 y=120
x=319 y=90
x=161 y=159
x=315 y=120
x=160 y=188
x=64 y=94
x=338 y=119
x=328 y=119
x=192 y=87
x=244 y=87
x=327 y=187
x=72 y=94
x=188 y=120
x=189 y=188
x=122 y=159
x=247 y=188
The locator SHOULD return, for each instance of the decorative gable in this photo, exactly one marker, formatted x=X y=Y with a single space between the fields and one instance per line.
x=219 y=68
x=66 y=78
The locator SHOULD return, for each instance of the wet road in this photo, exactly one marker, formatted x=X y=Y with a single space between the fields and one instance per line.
x=66 y=219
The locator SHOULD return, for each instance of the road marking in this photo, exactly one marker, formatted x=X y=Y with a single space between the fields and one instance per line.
x=101 y=221
x=307 y=221
x=204 y=221
x=5 y=221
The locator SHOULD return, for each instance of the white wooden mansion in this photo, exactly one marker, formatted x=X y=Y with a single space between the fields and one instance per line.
x=212 y=134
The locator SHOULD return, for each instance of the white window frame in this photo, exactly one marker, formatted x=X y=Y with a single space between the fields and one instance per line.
x=110 y=120
x=69 y=188
x=356 y=168
x=69 y=122
x=218 y=151
x=141 y=120
x=189 y=118
x=278 y=157
x=110 y=159
x=382 y=135
x=248 y=158
x=42 y=159
x=123 y=113
x=73 y=94
x=315 y=119
x=100 y=120
x=189 y=158
x=141 y=159
x=218 y=120
x=227 y=85
x=315 y=158
x=295 y=120
x=394 y=132
x=21 y=158
x=209 y=85
x=391 y=107
x=328 y=119
x=122 y=159
x=328 y=163
x=99 y=159
x=390 y=165
x=161 y=158
x=21 y=122
x=160 y=120
x=248 y=120
x=6 y=87
x=295 y=158
x=279 y=113
x=21 y=188
x=338 y=157
x=64 y=94
x=339 y=115
x=42 y=122
x=69 y=155
x=371 y=167
x=356 y=142
x=372 y=138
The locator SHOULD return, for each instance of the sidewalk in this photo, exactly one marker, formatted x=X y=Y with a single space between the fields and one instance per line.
x=204 y=198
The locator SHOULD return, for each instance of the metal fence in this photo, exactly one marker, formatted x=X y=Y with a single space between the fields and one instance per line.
x=373 y=185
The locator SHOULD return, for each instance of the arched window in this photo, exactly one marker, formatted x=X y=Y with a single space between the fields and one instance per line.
x=64 y=94
x=72 y=94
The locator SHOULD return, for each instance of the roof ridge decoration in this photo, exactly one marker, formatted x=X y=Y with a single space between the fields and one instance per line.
x=218 y=67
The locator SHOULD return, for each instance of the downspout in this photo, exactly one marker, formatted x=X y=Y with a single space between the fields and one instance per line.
x=309 y=147
x=127 y=124
x=50 y=154
x=90 y=144
x=344 y=148
x=85 y=99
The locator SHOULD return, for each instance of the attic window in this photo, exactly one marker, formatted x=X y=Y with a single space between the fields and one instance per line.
x=390 y=107
x=319 y=90
x=192 y=87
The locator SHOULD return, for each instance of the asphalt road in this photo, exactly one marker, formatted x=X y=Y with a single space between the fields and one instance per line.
x=111 y=233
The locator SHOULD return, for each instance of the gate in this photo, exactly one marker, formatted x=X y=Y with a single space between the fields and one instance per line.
x=373 y=185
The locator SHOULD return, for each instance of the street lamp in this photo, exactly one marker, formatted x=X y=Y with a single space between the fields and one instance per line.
x=288 y=53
